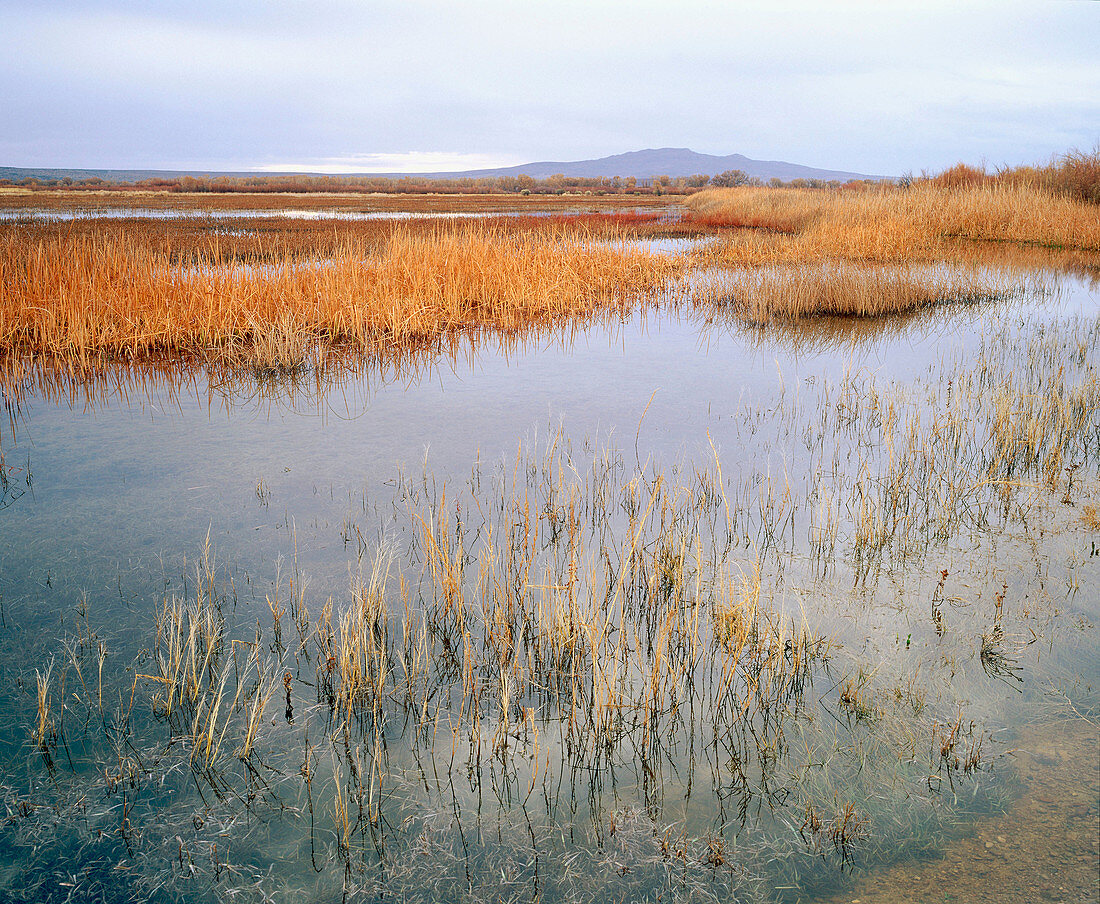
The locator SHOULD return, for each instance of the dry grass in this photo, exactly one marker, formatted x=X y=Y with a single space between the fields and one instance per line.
x=764 y=294
x=891 y=225
x=276 y=294
x=1075 y=175
x=220 y=237
x=73 y=299
x=44 y=731
x=786 y=254
x=206 y=684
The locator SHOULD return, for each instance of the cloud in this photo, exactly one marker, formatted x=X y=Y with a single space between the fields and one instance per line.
x=865 y=86
x=403 y=162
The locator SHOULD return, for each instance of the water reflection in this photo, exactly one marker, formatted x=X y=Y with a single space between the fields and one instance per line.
x=346 y=372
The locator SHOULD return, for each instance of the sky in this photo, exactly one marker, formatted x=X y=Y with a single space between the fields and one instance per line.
x=339 y=86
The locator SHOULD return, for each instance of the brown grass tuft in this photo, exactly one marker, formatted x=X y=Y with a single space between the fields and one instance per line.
x=764 y=294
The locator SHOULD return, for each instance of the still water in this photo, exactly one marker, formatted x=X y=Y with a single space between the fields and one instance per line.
x=48 y=215
x=935 y=685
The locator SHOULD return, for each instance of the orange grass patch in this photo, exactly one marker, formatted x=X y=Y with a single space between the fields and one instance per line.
x=73 y=298
x=763 y=294
x=219 y=238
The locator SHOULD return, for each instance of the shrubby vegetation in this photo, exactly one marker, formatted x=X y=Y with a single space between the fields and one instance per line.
x=1074 y=175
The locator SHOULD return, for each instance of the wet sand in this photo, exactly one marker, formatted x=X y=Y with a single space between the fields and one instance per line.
x=1046 y=848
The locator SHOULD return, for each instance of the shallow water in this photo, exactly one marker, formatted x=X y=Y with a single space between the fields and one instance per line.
x=109 y=501
x=293 y=213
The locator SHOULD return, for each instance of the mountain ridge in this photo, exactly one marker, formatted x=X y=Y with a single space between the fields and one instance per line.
x=674 y=162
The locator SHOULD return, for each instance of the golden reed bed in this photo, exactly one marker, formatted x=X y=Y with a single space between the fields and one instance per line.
x=73 y=297
x=789 y=293
x=273 y=292
x=890 y=224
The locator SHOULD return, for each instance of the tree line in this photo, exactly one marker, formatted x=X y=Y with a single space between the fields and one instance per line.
x=559 y=184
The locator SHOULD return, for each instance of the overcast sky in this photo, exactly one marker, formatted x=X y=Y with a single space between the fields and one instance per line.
x=340 y=86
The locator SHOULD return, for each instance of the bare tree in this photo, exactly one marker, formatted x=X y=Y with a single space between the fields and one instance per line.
x=730 y=179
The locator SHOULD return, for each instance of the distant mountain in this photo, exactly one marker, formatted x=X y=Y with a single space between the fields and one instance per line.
x=665 y=162
x=640 y=165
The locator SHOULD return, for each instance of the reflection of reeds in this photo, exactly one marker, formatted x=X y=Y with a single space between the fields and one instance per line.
x=824 y=334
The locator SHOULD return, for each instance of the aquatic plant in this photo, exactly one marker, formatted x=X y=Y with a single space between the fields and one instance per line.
x=762 y=295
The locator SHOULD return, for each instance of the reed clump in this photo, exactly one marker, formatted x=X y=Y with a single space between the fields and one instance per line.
x=207 y=686
x=786 y=254
x=1075 y=175
x=768 y=294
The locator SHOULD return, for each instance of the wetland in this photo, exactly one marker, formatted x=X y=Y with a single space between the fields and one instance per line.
x=742 y=548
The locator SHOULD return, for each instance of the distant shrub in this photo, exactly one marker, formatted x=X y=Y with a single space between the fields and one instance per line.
x=962 y=175
x=1075 y=175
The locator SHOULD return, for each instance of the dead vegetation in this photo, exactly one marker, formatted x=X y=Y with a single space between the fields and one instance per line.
x=890 y=224
x=275 y=293
x=765 y=295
